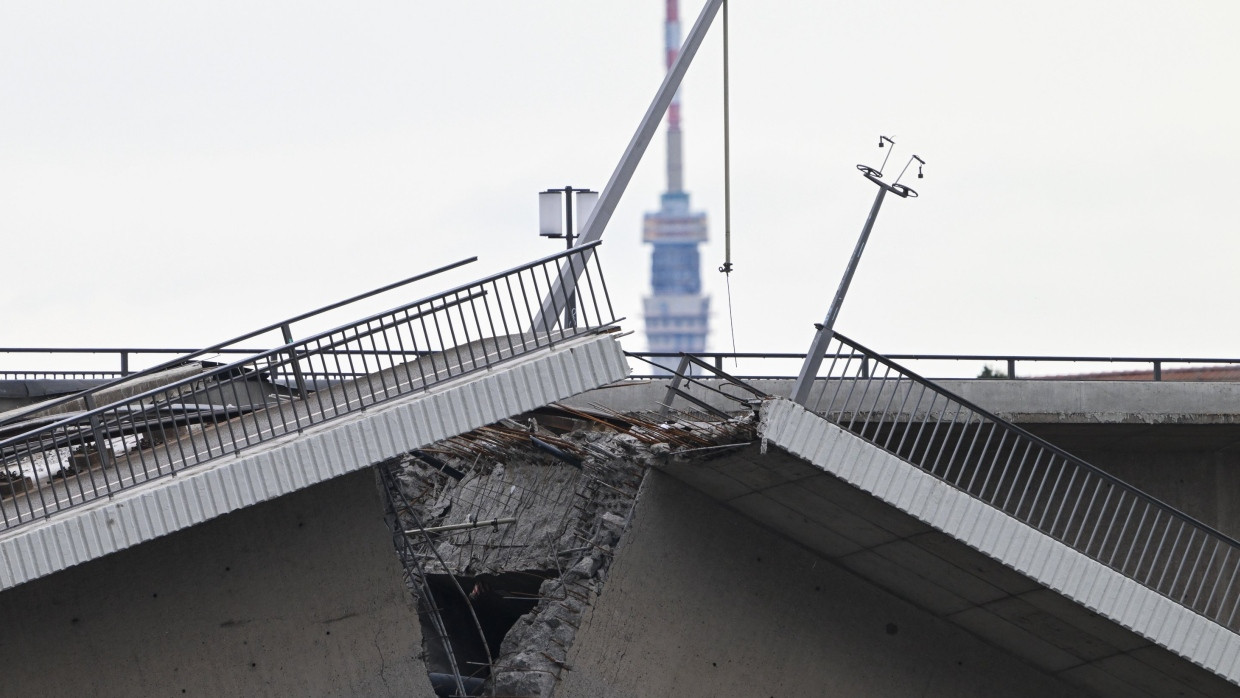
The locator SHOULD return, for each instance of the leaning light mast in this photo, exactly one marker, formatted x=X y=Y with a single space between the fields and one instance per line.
x=554 y=301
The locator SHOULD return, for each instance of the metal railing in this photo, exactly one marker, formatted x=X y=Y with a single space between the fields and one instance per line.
x=284 y=329
x=108 y=448
x=773 y=365
x=1029 y=479
x=51 y=374
x=122 y=356
x=686 y=373
x=781 y=364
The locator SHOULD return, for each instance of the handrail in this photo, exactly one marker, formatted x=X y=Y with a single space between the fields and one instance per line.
x=1010 y=469
x=1158 y=363
x=273 y=356
x=227 y=346
x=112 y=350
x=167 y=429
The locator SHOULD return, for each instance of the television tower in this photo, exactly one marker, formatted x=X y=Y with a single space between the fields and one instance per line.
x=676 y=312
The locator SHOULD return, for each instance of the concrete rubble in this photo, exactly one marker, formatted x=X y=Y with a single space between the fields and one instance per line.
x=570 y=479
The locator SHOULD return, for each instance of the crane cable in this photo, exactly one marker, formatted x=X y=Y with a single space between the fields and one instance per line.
x=727 y=182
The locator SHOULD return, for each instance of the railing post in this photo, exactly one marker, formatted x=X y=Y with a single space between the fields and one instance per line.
x=287 y=332
x=681 y=370
x=570 y=303
x=1011 y=363
x=124 y=363
x=96 y=430
x=1157 y=370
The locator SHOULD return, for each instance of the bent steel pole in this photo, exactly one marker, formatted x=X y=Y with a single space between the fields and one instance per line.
x=555 y=300
x=822 y=338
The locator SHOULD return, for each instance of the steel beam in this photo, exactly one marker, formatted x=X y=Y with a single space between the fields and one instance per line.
x=623 y=173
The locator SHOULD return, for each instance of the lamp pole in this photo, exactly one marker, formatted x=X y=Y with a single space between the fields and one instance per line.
x=825 y=331
x=556 y=221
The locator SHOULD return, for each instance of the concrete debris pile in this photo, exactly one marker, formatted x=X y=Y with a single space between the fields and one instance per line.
x=507 y=533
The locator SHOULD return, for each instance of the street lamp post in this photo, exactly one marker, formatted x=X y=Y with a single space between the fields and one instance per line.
x=825 y=331
x=555 y=220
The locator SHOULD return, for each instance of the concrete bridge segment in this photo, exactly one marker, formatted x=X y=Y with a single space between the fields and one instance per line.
x=227 y=579
x=951 y=555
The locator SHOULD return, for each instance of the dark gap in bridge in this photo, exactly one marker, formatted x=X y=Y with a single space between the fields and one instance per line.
x=498 y=601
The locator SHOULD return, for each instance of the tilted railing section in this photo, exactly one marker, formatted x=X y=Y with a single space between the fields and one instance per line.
x=1030 y=479
x=283 y=329
x=106 y=449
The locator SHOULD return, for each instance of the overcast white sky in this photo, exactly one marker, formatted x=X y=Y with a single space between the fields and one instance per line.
x=179 y=173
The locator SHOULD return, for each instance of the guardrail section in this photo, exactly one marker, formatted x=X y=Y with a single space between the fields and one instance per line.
x=94 y=453
x=1029 y=479
x=768 y=365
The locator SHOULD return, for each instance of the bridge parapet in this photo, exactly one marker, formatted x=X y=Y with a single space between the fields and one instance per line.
x=1031 y=480
x=109 y=448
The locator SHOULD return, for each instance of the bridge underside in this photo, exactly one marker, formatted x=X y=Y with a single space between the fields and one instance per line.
x=1070 y=617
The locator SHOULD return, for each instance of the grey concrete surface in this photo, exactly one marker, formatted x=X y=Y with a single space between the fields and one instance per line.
x=1022 y=401
x=1030 y=401
x=298 y=596
x=701 y=601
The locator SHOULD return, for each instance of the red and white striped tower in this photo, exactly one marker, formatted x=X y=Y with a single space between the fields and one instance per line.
x=675 y=182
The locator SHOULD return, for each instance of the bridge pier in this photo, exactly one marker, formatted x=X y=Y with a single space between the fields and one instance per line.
x=301 y=595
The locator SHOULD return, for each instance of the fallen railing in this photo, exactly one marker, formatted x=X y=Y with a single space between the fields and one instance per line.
x=109 y=448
